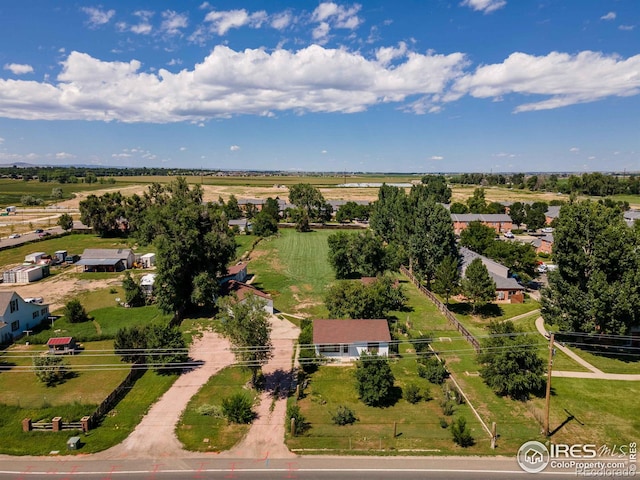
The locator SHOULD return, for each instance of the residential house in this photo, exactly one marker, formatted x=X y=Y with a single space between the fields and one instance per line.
x=242 y=224
x=348 y=339
x=106 y=259
x=61 y=345
x=18 y=316
x=243 y=290
x=552 y=213
x=508 y=290
x=500 y=222
x=236 y=272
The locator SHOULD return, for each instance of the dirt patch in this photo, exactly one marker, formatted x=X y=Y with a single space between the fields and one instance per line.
x=57 y=290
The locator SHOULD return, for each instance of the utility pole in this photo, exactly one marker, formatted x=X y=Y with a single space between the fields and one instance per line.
x=547 y=402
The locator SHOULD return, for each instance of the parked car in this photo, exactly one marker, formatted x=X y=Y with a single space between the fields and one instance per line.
x=38 y=230
x=15 y=235
x=542 y=268
x=547 y=230
x=44 y=234
x=508 y=234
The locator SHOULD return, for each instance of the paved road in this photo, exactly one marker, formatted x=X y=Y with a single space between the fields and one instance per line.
x=334 y=468
x=593 y=372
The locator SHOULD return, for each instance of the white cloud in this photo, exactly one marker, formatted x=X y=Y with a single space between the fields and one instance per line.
x=565 y=79
x=574 y=150
x=18 y=68
x=386 y=55
x=183 y=149
x=234 y=148
x=121 y=155
x=626 y=28
x=64 y=156
x=174 y=61
x=173 y=22
x=98 y=16
x=223 y=21
x=281 y=20
x=1 y=140
x=436 y=157
x=609 y=16
x=329 y=15
x=142 y=28
x=485 y=6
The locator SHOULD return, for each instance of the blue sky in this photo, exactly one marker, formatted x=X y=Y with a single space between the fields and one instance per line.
x=381 y=85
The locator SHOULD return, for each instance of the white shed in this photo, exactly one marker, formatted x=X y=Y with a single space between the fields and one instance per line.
x=34 y=257
x=148 y=260
x=29 y=274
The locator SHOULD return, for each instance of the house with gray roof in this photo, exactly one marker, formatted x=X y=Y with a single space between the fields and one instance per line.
x=106 y=259
x=508 y=290
x=18 y=316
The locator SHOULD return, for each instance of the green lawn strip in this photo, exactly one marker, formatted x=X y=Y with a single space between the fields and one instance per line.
x=604 y=411
x=418 y=425
x=611 y=364
x=293 y=268
x=73 y=244
x=93 y=377
x=104 y=324
x=244 y=244
x=207 y=433
x=113 y=429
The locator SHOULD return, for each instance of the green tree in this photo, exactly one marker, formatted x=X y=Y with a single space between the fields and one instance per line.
x=308 y=198
x=132 y=291
x=388 y=213
x=191 y=239
x=56 y=193
x=517 y=213
x=75 y=312
x=353 y=299
x=477 y=202
x=595 y=288
x=447 y=277
x=437 y=188
x=247 y=326
x=461 y=433
x=477 y=237
x=431 y=240
x=264 y=225
x=510 y=362
x=272 y=209
x=535 y=217
x=232 y=209
x=375 y=380
x=340 y=254
x=50 y=369
x=65 y=221
x=458 y=208
x=477 y=285
x=103 y=213
x=160 y=346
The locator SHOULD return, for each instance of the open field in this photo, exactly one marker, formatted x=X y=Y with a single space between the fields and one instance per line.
x=11 y=191
x=611 y=364
x=293 y=268
x=195 y=425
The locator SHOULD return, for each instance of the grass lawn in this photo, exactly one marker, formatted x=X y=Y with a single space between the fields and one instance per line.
x=93 y=377
x=11 y=191
x=74 y=244
x=115 y=427
x=211 y=433
x=293 y=268
x=611 y=364
x=244 y=244
x=104 y=324
x=418 y=425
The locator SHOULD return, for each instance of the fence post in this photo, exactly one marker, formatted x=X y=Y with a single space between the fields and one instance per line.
x=26 y=425
x=56 y=424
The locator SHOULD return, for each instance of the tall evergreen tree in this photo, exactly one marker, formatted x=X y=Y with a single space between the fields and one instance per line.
x=477 y=284
x=447 y=277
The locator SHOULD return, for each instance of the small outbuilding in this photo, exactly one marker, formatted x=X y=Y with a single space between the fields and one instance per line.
x=34 y=257
x=148 y=260
x=61 y=345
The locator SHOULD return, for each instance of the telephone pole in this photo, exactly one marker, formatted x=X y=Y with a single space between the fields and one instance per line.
x=547 y=402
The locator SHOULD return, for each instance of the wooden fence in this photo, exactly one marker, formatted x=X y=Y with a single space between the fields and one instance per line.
x=117 y=394
x=443 y=308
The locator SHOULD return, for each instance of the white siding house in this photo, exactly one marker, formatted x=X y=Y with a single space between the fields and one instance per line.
x=347 y=339
x=18 y=316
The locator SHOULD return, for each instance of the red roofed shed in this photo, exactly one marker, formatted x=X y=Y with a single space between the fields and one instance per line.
x=62 y=345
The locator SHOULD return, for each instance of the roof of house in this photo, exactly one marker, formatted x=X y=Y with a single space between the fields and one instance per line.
x=5 y=297
x=101 y=253
x=548 y=238
x=242 y=290
x=240 y=222
x=59 y=341
x=148 y=255
x=350 y=331
x=505 y=283
x=235 y=269
x=553 y=211
x=148 y=280
x=469 y=256
x=92 y=262
x=482 y=217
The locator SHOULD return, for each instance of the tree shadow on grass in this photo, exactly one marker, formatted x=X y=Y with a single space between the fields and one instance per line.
x=278 y=383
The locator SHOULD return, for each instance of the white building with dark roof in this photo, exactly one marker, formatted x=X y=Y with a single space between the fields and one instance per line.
x=18 y=316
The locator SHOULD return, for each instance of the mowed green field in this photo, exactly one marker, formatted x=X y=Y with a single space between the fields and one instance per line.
x=11 y=191
x=293 y=268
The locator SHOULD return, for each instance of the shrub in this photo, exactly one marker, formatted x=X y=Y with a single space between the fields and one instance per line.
x=293 y=411
x=426 y=394
x=411 y=393
x=343 y=416
x=238 y=408
x=432 y=369
x=421 y=343
x=460 y=432
x=210 y=410
x=75 y=312
x=447 y=407
x=374 y=380
x=443 y=423
x=50 y=369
